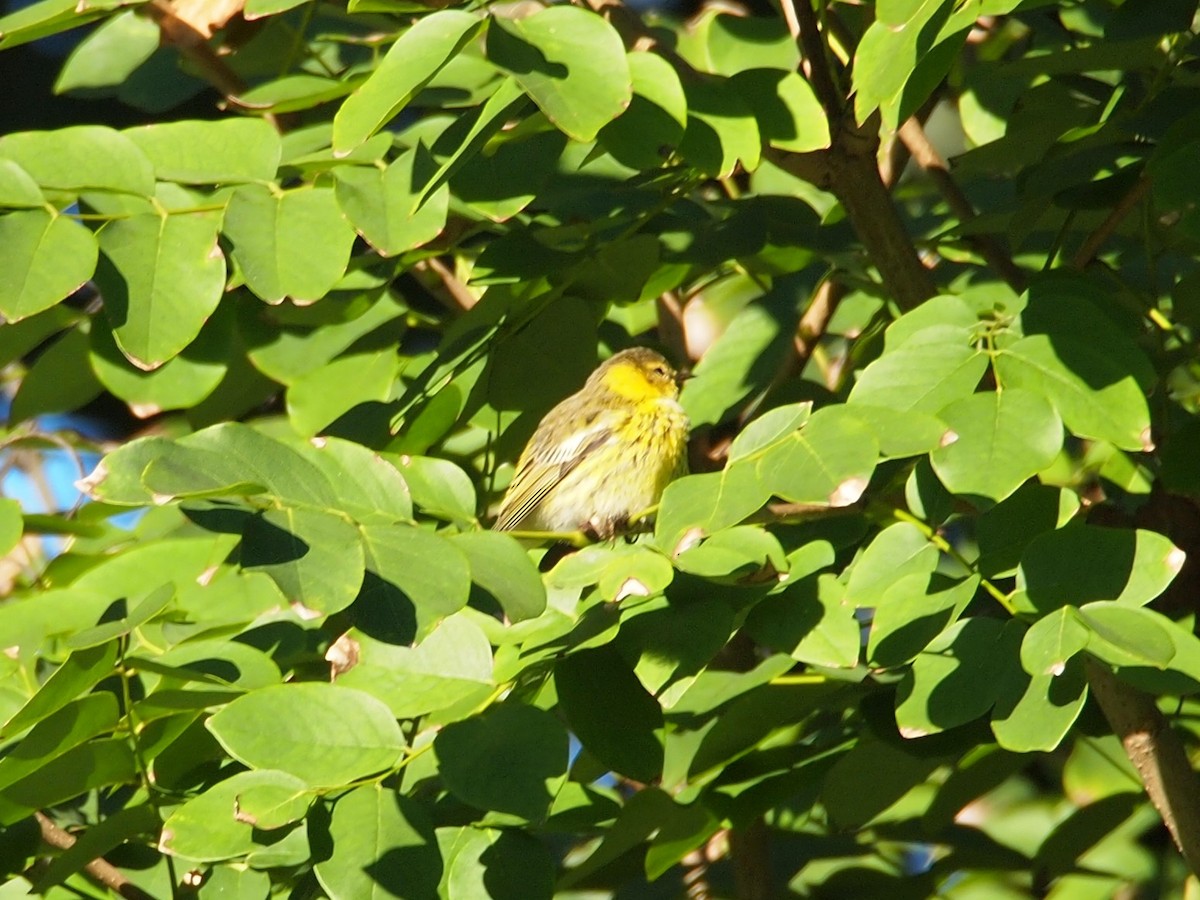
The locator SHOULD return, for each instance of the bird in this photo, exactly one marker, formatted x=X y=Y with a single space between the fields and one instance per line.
x=602 y=457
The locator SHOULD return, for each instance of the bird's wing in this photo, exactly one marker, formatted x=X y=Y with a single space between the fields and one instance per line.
x=538 y=472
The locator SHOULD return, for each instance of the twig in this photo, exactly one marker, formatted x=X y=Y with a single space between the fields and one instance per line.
x=1158 y=755
x=1095 y=240
x=194 y=45
x=913 y=136
x=816 y=318
x=819 y=72
x=459 y=292
x=671 y=328
x=102 y=871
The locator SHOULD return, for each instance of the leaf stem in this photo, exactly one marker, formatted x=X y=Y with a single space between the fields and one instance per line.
x=932 y=535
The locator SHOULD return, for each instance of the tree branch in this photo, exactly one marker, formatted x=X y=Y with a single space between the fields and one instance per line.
x=1095 y=240
x=813 y=47
x=1158 y=755
x=913 y=136
x=100 y=870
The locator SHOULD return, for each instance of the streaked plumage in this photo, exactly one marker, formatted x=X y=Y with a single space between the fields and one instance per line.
x=604 y=454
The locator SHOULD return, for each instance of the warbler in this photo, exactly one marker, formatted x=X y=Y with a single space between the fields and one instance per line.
x=603 y=455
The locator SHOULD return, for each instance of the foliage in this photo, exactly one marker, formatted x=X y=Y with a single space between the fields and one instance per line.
x=944 y=460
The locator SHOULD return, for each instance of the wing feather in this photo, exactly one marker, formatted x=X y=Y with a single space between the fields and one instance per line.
x=538 y=473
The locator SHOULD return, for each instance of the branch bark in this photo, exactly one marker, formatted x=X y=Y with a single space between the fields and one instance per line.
x=926 y=156
x=1158 y=755
x=99 y=870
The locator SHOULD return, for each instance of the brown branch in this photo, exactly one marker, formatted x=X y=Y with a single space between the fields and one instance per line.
x=460 y=295
x=749 y=850
x=1095 y=240
x=1158 y=755
x=194 y=45
x=913 y=136
x=819 y=73
x=101 y=871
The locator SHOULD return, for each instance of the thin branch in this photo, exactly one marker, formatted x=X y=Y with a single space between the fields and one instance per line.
x=819 y=73
x=913 y=136
x=101 y=871
x=1095 y=240
x=194 y=45
x=459 y=292
x=1158 y=755
x=816 y=318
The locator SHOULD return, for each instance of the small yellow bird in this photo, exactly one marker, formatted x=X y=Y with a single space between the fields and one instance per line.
x=604 y=454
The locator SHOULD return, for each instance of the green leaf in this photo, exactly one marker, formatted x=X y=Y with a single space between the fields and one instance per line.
x=1034 y=713
x=912 y=612
x=1000 y=440
x=110 y=54
x=17 y=188
x=1004 y=531
x=699 y=505
x=146 y=609
x=509 y=759
x=226 y=151
x=613 y=716
x=12 y=525
x=570 y=61
x=739 y=43
x=1081 y=563
x=81 y=671
x=955 y=680
x=1091 y=389
x=500 y=565
x=79 y=770
x=900 y=549
x=1052 y=640
x=828 y=461
x=494 y=864
x=788 y=113
x=83 y=157
x=315 y=557
x=166 y=278
x=887 y=768
x=179 y=383
x=383 y=846
x=431 y=574
x=811 y=622
x=382 y=203
x=924 y=374
x=74 y=723
x=656 y=118
x=742 y=552
x=221 y=822
x=439 y=487
x=323 y=734
x=370 y=488
x=523 y=163
x=721 y=129
x=42 y=19
x=291 y=244
x=44 y=258
x=902 y=434
x=451 y=665
x=1127 y=635
x=366 y=378
x=408 y=66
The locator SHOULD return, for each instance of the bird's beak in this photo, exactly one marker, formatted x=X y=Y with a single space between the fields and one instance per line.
x=681 y=377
